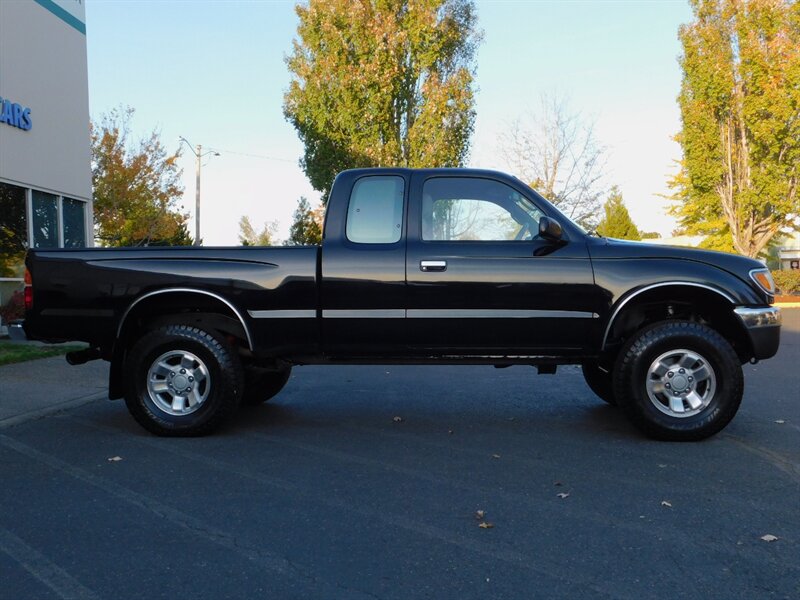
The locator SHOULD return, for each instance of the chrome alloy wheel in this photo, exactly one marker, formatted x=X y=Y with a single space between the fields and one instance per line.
x=681 y=383
x=178 y=382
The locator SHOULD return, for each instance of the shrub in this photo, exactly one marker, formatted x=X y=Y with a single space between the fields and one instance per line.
x=14 y=308
x=788 y=282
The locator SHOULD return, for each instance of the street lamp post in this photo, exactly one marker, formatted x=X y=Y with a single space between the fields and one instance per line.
x=199 y=154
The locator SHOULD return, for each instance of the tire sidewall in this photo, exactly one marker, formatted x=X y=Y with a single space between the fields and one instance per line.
x=222 y=397
x=633 y=366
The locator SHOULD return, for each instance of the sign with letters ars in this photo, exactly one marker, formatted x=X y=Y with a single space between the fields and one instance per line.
x=15 y=114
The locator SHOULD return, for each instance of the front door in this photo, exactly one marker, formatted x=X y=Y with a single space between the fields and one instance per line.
x=482 y=282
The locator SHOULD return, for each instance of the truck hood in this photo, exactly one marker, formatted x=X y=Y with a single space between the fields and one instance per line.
x=733 y=263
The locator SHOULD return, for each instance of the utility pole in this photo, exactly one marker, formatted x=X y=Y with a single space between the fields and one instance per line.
x=199 y=154
x=197 y=196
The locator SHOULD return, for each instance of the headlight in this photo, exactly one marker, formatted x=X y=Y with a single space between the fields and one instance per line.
x=763 y=279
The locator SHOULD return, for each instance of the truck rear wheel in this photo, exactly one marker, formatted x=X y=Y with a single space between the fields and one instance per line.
x=182 y=381
x=679 y=381
x=261 y=384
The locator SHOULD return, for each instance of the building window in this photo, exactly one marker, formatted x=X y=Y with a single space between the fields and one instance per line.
x=54 y=222
x=74 y=218
x=44 y=215
x=13 y=243
x=13 y=231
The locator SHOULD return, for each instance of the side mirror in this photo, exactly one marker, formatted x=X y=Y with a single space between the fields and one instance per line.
x=549 y=229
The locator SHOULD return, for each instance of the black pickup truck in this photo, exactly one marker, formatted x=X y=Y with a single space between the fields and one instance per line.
x=438 y=266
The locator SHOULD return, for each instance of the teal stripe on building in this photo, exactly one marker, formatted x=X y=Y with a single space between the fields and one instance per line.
x=63 y=14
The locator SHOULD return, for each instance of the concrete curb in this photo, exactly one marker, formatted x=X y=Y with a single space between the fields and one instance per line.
x=43 y=412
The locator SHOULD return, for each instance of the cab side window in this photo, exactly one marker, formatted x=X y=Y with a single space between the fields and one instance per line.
x=474 y=209
x=375 y=212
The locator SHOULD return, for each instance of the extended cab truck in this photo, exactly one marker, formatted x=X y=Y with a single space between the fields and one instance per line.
x=440 y=266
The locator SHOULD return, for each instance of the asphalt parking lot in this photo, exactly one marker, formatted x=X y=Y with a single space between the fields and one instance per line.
x=364 y=482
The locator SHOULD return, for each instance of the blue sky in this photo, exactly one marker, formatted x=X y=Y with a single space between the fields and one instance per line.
x=214 y=73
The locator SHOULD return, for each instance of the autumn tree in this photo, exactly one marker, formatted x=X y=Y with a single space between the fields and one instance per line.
x=136 y=186
x=650 y=235
x=248 y=236
x=740 y=112
x=306 y=229
x=13 y=232
x=555 y=151
x=382 y=83
x=617 y=222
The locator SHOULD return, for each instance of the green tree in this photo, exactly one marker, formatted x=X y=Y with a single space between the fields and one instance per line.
x=136 y=186
x=650 y=235
x=739 y=102
x=306 y=229
x=250 y=237
x=382 y=83
x=617 y=222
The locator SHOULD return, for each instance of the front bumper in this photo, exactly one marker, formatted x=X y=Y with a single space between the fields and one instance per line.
x=763 y=325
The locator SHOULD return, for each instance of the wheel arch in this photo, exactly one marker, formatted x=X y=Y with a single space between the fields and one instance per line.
x=207 y=308
x=677 y=299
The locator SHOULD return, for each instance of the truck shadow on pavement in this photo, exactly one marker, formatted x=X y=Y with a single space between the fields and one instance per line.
x=588 y=418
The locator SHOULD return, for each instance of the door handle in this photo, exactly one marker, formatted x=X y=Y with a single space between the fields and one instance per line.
x=432 y=265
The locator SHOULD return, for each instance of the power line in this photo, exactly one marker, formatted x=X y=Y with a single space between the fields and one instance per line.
x=262 y=156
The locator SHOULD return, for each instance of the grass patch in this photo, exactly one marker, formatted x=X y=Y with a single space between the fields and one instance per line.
x=17 y=352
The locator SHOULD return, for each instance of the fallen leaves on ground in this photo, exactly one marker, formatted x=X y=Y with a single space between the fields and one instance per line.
x=770 y=538
x=495 y=456
x=397 y=419
x=115 y=459
x=479 y=514
x=563 y=495
x=485 y=525
x=666 y=503
x=780 y=421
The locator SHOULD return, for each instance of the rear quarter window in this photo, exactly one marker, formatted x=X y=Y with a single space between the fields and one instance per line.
x=375 y=211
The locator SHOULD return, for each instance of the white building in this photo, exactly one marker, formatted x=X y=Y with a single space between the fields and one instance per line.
x=789 y=252
x=45 y=178
x=689 y=241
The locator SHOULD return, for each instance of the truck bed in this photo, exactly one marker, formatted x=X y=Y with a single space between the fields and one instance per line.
x=85 y=294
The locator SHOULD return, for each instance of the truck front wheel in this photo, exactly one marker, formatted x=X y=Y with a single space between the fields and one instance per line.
x=182 y=381
x=679 y=381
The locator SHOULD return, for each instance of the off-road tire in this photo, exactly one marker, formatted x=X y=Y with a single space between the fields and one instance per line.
x=225 y=380
x=261 y=385
x=634 y=366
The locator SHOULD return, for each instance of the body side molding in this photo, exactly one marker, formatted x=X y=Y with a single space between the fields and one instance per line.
x=282 y=314
x=415 y=313
x=491 y=313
